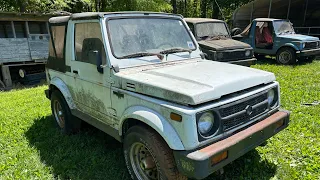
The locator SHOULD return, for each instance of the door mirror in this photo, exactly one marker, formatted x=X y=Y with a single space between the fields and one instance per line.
x=95 y=55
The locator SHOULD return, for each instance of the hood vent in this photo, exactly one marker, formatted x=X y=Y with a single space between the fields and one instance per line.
x=131 y=86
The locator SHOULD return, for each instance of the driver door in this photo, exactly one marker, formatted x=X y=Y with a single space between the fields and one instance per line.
x=91 y=88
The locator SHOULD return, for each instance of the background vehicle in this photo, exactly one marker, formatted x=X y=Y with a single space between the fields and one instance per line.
x=215 y=41
x=178 y=115
x=23 y=48
x=276 y=37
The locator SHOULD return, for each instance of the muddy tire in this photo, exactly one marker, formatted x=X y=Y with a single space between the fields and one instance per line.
x=2 y=86
x=286 y=56
x=67 y=123
x=148 y=156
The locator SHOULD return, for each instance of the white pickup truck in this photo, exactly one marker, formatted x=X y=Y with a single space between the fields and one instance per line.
x=139 y=77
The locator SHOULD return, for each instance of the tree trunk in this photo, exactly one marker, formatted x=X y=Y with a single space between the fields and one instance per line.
x=204 y=8
x=174 y=6
x=195 y=7
x=22 y=5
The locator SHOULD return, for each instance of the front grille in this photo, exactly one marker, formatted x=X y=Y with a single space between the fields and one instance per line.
x=312 y=45
x=234 y=55
x=235 y=114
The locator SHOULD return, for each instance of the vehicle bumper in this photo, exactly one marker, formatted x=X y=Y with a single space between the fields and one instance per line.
x=311 y=52
x=198 y=164
x=246 y=62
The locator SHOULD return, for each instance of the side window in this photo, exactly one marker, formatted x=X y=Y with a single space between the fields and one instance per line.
x=20 y=29
x=88 y=38
x=6 y=29
x=37 y=27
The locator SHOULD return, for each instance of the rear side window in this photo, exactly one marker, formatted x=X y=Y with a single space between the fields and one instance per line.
x=88 y=38
x=56 y=59
x=20 y=28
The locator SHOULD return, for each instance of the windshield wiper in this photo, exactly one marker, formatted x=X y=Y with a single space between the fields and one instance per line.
x=143 y=54
x=175 y=50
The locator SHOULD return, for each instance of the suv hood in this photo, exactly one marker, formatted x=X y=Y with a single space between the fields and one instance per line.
x=192 y=81
x=299 y=37
x=223 y=44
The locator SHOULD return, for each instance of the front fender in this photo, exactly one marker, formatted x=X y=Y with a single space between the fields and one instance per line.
x=290 y=45
x=63 y=88
x=155 y=121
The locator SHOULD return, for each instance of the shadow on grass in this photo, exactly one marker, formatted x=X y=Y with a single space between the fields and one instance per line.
x=91 y=154
x=249 y=166
x=272 y=61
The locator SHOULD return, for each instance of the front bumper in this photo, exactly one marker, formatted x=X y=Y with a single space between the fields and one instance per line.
x=198 y=164
x=311 y=52
x=246 y=62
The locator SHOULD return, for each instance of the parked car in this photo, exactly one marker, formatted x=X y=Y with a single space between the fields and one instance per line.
x=215 y=41
x=177 y=114
x=276 y=37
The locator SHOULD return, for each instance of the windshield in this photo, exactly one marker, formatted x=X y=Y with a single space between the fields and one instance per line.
x=214 y=29
x=138 y=37
x=283 y=27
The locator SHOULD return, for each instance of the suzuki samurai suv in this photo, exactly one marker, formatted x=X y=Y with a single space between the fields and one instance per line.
x=139 y=77
x=215 y=41
x=276 y=37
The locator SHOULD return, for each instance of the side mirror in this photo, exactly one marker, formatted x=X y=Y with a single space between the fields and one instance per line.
x=97 y=57
x=203 y=55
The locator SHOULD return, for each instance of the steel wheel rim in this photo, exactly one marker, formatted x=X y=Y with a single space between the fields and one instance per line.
x=142 y=162
x=285 y=57
x=58 y=113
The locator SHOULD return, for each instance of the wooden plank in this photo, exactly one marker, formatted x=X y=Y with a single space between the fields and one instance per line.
x=6 y=76
x=14 y=50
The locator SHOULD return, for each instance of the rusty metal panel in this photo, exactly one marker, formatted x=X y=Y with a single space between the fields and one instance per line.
x=14 y=50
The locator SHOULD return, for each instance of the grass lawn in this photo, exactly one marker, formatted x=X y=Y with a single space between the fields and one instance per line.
x=31 y=146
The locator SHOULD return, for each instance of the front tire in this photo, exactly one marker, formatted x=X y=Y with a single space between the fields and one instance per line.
x=148 y=156
x=61 y=113
x=286 y=56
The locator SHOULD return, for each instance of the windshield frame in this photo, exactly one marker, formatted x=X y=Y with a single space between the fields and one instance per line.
x=196 y=28
x=145 y=17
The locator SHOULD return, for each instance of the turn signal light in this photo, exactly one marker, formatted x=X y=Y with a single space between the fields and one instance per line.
x=176 y=117
x=279 y=123
x=218 y=158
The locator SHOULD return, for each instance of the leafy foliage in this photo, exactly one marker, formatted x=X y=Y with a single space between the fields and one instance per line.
x=188 y=8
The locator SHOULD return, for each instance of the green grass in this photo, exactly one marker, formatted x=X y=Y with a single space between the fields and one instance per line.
x=31 y=147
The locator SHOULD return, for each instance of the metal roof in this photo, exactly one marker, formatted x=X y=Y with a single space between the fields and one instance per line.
x=95 y=15
x=266 y=19
x=201 y=20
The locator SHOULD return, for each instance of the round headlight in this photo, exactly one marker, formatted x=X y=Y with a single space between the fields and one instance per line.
x=271 y=95
x=248 y=53
x=205 y=122
x=220 y=55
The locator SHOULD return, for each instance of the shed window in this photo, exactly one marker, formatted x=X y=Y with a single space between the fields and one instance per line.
x=20 y=28
x=37 y=27
x=6 y=29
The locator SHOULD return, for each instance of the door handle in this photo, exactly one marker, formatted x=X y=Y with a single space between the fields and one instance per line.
x=75 y=71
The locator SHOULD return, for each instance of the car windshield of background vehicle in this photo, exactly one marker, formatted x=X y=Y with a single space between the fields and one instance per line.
x=140 y=37
x=283 y=27
x=212 y=30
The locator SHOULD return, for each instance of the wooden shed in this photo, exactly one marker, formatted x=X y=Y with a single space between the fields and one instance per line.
x=24 y=39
